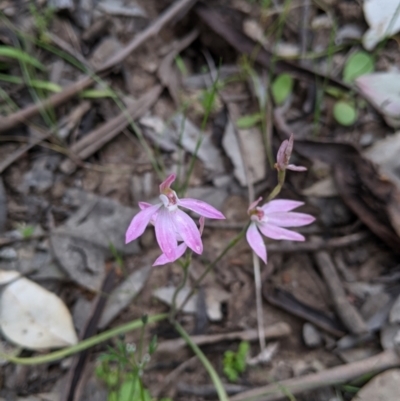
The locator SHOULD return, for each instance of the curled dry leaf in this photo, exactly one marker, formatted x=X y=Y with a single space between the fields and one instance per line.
x=34 y=318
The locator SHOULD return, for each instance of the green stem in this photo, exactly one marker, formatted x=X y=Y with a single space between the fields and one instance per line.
x=185 y=268
x=211 y=265
x=281 y=180
x=206 y=363
x=85 y=344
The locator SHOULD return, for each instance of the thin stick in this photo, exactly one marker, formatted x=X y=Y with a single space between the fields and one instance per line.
x=57 y=99
x=260 y=315
x=276 y=330
x=349 y=315
x=340 y=374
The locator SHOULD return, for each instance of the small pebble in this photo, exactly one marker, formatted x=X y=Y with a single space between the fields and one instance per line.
x=311 y=335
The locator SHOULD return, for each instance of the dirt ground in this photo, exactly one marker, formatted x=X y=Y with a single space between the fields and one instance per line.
x=101 y=100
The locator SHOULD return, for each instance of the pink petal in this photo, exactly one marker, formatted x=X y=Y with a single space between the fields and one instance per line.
x=201 y=223
x=139 y=223
x=188 y=230
x=254 y=204
x=280 y=157
x=256 y=242
x=167 y=182
x=201 y=208
x=280 y=205
x=165 y=233
x=144 y=205
x=296 y=168
x=275 y=232
x=289 y=219
x=162 y=259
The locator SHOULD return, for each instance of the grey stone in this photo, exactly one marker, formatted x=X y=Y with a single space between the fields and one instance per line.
x=312 y=337
x=384 y=387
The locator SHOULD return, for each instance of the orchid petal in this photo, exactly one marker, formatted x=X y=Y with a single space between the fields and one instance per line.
x=162 y=259
x=275 y=232
x=201 y=208
x=144 y=205
x=289 y=219
x=254 y=204
x=201 y=223
x=256 y=242
x=165 y=233
x=280 y=205
x=188 y=230
x=281 y=156
x=167 y=182
x=139 y=223
x=296 y=168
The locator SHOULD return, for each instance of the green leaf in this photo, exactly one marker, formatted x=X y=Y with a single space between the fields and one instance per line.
x=12 y=52
x=46 y=85
x=282 y=88
x=248 y=121
x=344 y=113
x=97 y=93
x=181 y=65
x=357 y=64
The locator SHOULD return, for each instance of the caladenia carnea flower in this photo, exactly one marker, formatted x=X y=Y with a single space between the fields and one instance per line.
x=283 y=157
x=181 y=249
x=170 y=222
x=270 y=219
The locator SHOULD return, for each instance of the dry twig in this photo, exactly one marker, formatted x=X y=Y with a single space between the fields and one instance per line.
x=349 y=315
x=336 y=375
x=277 y=330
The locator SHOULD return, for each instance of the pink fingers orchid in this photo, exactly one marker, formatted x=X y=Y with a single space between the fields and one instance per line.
x=162 y=259
x=170 y=222
x=270 y=219
x=283 y=157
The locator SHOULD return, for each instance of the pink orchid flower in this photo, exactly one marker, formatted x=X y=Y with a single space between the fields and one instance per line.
x=170 y=222
x=283 y=156
x=162 y=259
x=270 y=219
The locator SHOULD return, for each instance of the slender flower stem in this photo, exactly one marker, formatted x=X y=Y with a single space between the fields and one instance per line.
x=211 y=265
x=85 y=344
x=281 y=180
x=185 y=268
x=206 y=363
x=260 y=316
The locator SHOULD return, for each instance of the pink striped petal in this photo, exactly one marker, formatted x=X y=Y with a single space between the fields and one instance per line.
x=165 y=233
x=289 y=219
x=201 y=208
x=139 y=223
x=256 y=242
x=167 y=182
x=275 y=232
x=188 y=230
x=162 y=260
x=280 y=205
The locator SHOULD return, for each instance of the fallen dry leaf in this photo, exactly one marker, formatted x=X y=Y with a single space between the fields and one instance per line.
x=34 y=318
